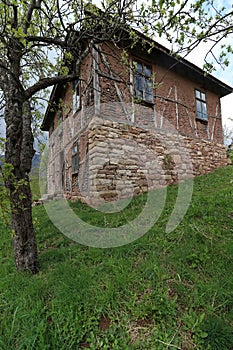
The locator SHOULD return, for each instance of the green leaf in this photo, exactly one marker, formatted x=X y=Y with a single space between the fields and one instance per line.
x=161 y=2
x=203 y=335
x=202 y=317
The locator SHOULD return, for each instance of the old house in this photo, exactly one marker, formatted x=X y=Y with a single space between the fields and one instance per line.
x=135 y=119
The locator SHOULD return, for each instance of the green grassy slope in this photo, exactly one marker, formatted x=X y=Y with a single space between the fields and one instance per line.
x=163 y=291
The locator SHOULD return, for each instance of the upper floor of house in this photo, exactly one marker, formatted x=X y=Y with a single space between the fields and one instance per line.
x=149 y=88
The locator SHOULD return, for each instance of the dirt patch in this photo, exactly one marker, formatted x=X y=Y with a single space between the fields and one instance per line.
x=104 y=323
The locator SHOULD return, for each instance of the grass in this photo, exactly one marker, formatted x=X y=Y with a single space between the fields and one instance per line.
x=164 y=291
x=34 y=182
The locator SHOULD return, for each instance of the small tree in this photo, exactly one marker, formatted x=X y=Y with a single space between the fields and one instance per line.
x=32 y=33
x=39 y=39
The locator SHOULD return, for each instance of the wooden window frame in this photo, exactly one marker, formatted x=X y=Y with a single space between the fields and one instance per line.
x=75 y=158
x=76 y=95
x=146 y=80
x=201 y=105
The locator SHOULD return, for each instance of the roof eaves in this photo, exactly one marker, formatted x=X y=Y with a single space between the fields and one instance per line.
x=47 y=116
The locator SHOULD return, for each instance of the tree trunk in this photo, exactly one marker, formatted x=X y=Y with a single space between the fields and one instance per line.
x=24 y=240
x=19 y=152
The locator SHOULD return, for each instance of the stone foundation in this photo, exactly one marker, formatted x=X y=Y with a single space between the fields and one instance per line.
x=125 y=160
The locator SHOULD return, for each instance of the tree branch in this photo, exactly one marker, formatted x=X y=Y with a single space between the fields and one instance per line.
x=46 y=40
x=47 y=82
x=35 y=4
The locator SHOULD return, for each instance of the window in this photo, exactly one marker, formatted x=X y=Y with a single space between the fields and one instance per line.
x=144 y=82
x=201 y=106
x=76 y=95
x=75 y=158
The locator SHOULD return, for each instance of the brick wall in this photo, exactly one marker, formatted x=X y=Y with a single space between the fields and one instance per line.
x=182 y=111
x=174 y=98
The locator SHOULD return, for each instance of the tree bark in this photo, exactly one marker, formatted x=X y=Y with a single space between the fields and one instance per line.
x=24 y=239
x=19 y=152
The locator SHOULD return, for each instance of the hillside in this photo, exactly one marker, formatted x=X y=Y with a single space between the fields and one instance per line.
x=164 y=291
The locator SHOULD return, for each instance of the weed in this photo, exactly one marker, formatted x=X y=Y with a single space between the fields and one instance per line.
x=217 y=334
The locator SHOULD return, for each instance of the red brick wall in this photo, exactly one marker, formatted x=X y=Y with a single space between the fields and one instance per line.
x=188 y=124
x=174 y=98
x=119 y=71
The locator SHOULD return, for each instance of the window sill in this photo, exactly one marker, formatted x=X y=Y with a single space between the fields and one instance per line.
x=143 y=102
x=203 y=121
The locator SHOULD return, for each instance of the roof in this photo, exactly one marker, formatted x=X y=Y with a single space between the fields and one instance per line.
x=49 y=113
x=162 y=56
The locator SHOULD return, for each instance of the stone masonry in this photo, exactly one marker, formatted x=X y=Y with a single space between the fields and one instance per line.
x=125 y=160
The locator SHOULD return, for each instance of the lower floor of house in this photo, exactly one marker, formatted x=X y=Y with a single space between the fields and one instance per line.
x=110 y=160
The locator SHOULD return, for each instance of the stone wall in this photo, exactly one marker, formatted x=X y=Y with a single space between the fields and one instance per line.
x=124 y=160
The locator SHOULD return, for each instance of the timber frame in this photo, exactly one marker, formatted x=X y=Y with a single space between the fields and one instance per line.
x=107 y=91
